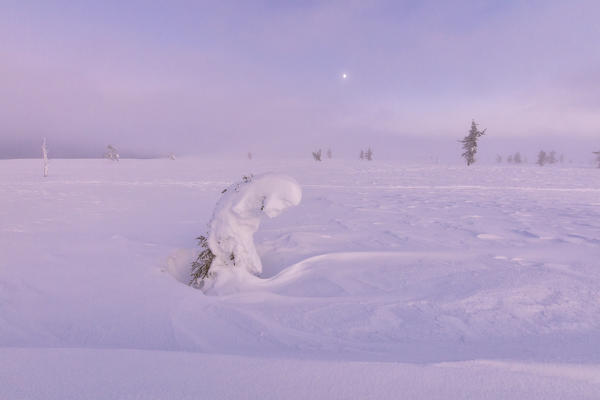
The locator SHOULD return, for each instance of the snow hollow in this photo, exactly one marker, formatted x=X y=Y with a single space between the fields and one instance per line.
x=386 y=281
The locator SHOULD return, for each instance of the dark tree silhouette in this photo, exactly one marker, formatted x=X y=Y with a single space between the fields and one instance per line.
x=469 y=143
x=517 y=158
x=317 y=155
x=542 y=158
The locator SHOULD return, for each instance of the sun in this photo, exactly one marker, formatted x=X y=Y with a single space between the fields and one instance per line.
x=344 y=75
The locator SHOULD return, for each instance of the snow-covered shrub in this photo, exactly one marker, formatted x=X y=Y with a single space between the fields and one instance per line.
x=228 y=249
x=111 y=153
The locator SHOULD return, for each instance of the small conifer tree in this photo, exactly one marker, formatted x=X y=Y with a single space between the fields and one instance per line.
x=498 y=158
x=317 y=155
x=542 y=158
x=362 y=155
x=201 y=266
x=552 y=157
x=469 y=143
x=517 y=158
x=369 y=154
x=597 y=153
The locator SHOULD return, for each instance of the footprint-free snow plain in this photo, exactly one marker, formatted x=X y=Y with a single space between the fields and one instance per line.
x=387 y=280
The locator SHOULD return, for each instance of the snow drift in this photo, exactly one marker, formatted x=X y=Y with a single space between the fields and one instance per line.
x=237 y=216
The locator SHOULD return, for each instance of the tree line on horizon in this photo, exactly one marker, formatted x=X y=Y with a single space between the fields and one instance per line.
x=469 y=145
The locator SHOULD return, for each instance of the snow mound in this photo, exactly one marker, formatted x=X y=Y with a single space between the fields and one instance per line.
x=237 y=216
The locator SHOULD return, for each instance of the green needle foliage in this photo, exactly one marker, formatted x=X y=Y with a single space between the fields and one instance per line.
x=201 y=266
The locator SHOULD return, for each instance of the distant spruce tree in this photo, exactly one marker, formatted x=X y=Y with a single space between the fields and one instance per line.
x=509 y=159
x=369 y=154
x=469 y=143
x=362 y=155
x=517 y=158
x=498 y=158
x=317 y=155
x=552 y=157
x=597 y=153
x=542 y=158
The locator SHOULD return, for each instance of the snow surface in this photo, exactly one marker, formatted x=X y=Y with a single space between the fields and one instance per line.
x=387 y=281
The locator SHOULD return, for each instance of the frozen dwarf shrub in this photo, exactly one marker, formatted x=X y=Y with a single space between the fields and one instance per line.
x=112 y=153
x=228 y=248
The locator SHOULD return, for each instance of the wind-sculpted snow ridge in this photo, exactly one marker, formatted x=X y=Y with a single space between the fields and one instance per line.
x=237 y=216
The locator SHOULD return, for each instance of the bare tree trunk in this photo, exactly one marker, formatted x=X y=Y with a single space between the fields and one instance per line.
x=45 y=157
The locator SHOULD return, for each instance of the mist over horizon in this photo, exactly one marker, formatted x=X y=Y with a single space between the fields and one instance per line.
x=407 y=149
x=197 y=78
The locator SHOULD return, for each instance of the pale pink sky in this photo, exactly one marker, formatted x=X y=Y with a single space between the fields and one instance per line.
x=191 y=75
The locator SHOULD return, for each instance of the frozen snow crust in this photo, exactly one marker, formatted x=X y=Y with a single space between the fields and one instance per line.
x=428 y=281
x=237 y=216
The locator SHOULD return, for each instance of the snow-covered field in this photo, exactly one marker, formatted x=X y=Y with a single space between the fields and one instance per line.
x=387 y=281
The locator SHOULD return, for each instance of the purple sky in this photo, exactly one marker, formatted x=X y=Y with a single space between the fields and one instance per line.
x=188 y=76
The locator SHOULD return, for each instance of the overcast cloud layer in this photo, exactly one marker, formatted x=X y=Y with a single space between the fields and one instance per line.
x=189 y=76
